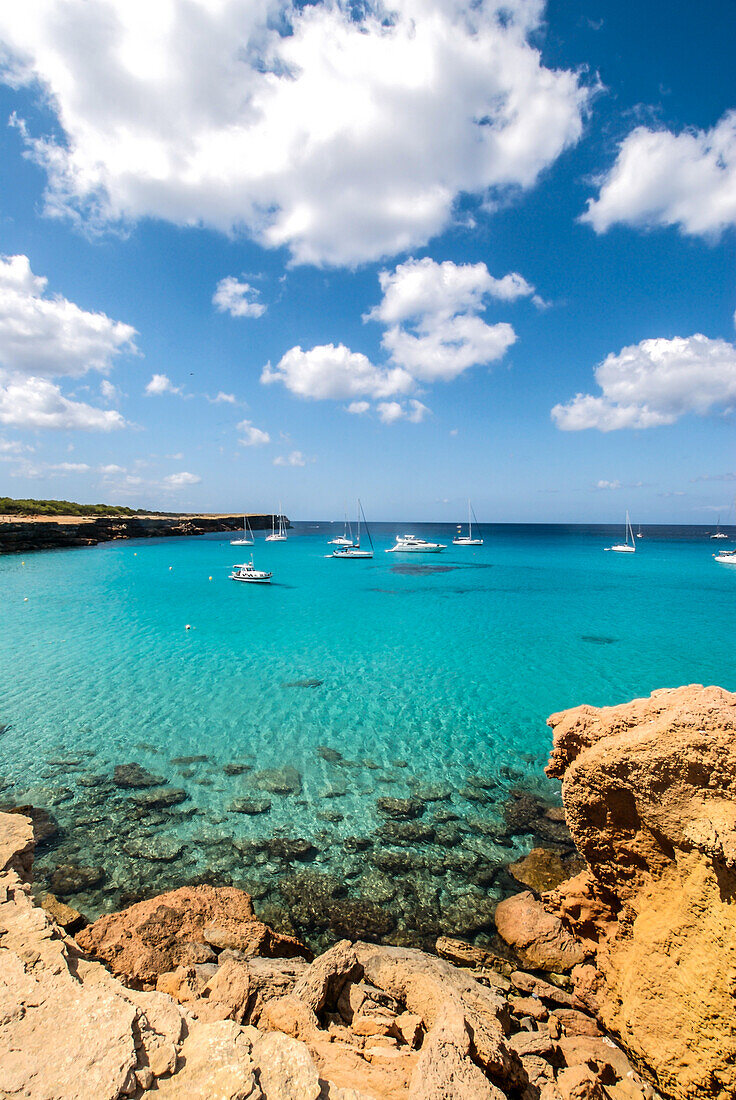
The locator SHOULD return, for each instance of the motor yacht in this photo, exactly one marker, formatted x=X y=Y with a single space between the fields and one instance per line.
x=726 y=557
x=248 y=573
x=410 y=544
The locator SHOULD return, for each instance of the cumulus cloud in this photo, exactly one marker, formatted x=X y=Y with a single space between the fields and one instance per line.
x=295 y=458
x=237 y=299
x=343 y=133
x=223 y=399
x=39 y=403
x=180 y=481
x=161 y=384
x=654 y=383
x=46 y=335
x=660 y=178
x=603 y=484
x=391 y=411
x=251 y=436
x=433 y=333
x=334 y=372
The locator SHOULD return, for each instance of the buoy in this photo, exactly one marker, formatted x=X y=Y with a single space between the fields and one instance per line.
x=187 y=627
x=210 y=578
x=25 y=599
x=135 y=553
x=170 y=568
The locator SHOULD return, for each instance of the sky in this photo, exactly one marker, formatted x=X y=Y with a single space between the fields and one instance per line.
x=261 y=252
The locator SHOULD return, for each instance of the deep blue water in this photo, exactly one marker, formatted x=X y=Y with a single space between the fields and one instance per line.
x=429 y=668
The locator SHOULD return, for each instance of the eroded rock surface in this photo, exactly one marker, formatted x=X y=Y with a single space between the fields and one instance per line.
x=649 y=790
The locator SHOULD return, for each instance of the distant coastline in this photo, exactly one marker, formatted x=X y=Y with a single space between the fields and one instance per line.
x=24 y=534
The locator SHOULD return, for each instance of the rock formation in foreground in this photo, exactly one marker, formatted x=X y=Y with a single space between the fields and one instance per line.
x=649 y=790
x=226 y=1009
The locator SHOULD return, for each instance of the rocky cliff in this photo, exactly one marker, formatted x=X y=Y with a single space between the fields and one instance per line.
x=223 y=1007
x=22 y=535
x=649 y=790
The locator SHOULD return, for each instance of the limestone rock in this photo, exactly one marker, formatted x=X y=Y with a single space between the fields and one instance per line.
x=649 y=789
x=151 y=937
x=538 y=937
x=445 y=1068
x=217 y=1063
x=322 y=983
x=65 y=916
x=543 y=869
x=285 y=1068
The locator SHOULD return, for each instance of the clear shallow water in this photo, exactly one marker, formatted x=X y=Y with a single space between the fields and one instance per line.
x=431 y=669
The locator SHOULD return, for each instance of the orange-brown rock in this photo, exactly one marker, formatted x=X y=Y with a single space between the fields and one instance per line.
x=539 y=938
x=155 y=936
x=543 y=869
x=649 y=789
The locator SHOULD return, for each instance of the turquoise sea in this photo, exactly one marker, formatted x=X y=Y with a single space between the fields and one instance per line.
x=416 y=677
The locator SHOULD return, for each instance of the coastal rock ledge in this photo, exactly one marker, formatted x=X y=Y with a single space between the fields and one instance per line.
x=649 y=790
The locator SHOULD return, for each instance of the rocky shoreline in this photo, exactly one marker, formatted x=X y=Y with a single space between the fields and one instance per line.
x=26 y=534
x=614 y=984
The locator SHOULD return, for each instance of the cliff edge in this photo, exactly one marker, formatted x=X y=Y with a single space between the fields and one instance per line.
x=649 y=790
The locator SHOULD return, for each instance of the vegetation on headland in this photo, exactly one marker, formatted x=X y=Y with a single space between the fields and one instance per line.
x=11 y=507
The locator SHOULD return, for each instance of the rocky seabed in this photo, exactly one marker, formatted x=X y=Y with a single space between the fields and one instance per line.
x=614 y=984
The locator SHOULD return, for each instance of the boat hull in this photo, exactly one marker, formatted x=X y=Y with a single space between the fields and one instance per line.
x=622 y=549
x=467 y=542
x=275 y=538
x=242 y=542
x=415 y=550
x=725 y=558
x=348 y=553
x=252 y=580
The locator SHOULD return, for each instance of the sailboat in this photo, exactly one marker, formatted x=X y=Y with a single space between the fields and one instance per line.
x=467 y=540
x=278 y=532
x=354 y=551
x=718 y=533
x=639 y=534
x=346 y=538
x=625 y=547
x=247 y=539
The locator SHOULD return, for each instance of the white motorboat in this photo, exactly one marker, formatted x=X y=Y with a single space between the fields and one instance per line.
x=353 y=550
x=345 y=539
x=278 y=530
x=248 y=573
x=247 y=539
x=467 y=540
x=718 y=534
x=625 y=547
x=410 y=544
x=726 y=557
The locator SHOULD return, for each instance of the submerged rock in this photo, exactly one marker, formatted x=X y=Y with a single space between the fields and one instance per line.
x=69 y=878
x=544 y=869
x=250 y=806
x=284 y=780
x=310 y=683
x=406 y=832
x=400 y=808
x=162 y=849
x=134 y=777
x=159 y=797
x=200 y=758
x=332 y=756
x=237 y=768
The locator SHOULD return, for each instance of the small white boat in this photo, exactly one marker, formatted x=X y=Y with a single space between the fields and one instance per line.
x=718 y=533
x=353 y=550
x=410 y=544
x=625 y=547
x=248 y=573
x=247 y=539
x=468 y=540
x=726 y=557
x=345 y=539
x=638 y=533
x=278 y=531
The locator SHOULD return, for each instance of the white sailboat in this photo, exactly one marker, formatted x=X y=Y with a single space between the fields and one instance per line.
x=247 y=539
x=625 y=547
x=718 y=533
x=278 y=531
x=354 y=550
x=639 y=534
x=468 y=540
x=346 y=538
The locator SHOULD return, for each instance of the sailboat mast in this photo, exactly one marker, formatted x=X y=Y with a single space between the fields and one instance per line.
x=365 y=524
x=470 y=522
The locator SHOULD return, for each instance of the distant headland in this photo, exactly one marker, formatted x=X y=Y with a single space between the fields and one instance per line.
x=27 y=525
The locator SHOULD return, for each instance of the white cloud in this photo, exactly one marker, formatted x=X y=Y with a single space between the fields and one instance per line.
x=391 y=411
x=180 y=481
x=334 y=372
x=660 y=178
x=223 y=399
x=11 y=448
x=602 y=484
x=251 y=436
x=39 y=403
x=109 y=392
x=653 y=383
x=160 y=384
x=110 y=469
x=342 y=133
x=357 y=408
x=43 y=335
x=237 y=299
x=296 y=458
x=443 y=349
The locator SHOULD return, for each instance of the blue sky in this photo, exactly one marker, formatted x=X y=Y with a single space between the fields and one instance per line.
x=217 y=200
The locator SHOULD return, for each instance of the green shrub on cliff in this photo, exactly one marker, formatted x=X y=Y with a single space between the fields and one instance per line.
x=10 y=507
